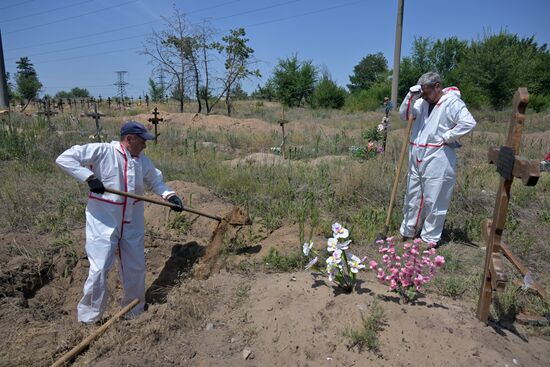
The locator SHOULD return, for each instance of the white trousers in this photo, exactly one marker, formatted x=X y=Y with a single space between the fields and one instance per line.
x=428 y=196
x=108 y=239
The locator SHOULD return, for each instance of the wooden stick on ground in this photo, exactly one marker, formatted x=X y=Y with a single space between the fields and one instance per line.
x=83 y=344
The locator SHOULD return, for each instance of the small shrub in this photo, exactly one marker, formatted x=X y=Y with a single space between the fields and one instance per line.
x=371 y=327
x=281 y=263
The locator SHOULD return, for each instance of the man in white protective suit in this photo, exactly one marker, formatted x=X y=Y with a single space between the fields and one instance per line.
x=441 y=118
x=115 y=224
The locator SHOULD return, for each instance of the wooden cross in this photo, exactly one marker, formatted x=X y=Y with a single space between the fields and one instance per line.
x=96 y=116
x=109 y=102
x=48 y=111
x=509 y=165
x=282 y=122
x=155 y=120
x=60 y=104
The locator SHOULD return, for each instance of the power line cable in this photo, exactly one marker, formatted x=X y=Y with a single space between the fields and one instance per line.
x=118 y=29
x=304 y=14
x=257 y=9
x=14 y=5
x=73 y=17
x=83 y=46
x=142 y=35
x=247 y=26
x=45 y=12
x=90 y=55
x=85 y=36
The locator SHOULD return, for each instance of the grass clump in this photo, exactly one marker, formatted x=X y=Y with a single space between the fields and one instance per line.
x=368 y=335
x=284 y=264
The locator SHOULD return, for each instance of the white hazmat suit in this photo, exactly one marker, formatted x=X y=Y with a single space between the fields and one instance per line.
x=432 y=161
x=114 y=224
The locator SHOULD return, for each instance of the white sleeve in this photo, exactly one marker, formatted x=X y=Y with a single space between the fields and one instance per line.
x=153 y=178
x=409 y=106
x=76 y=160
x=463 y=120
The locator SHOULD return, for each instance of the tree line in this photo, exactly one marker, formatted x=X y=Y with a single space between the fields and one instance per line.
x=487 y=71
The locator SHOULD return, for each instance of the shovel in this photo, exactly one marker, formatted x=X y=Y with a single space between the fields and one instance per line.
x=234 y=219
x=383 y=236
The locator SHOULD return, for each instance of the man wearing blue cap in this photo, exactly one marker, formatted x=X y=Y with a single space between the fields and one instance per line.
x=115 y=224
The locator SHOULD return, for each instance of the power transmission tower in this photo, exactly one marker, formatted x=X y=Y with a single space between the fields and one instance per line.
x=121 y=85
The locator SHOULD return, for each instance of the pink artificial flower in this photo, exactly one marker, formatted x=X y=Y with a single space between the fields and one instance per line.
x=417 y=241
x=439 y=261
x=373 y=264
x=393 y=284
x=407 y=246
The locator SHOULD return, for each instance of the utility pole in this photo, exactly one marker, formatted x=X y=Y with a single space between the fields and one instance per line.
x=4 y=100
x=397 y=53
x=121 y=85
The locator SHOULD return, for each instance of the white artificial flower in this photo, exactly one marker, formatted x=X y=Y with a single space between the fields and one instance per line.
x=355 y=264
x=311 y=263
x=343 y=245
x=332 y=244
x=339 y=231
x=307 y=248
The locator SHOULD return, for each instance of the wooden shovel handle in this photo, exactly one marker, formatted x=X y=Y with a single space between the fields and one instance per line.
x=162 y=202
x=83 y=344
x=398 y=172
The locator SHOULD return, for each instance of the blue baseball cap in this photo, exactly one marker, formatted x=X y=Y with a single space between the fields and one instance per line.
x=134 y=127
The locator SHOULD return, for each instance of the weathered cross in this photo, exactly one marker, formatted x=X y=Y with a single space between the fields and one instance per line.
x=109 y=102
x=96 y=116
x=60 y=104
x=47 y=111
x=155 y=120
x=509 y=165
x=282 y=122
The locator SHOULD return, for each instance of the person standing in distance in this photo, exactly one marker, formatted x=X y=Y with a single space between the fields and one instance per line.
x=441 y=119
x=115 y=225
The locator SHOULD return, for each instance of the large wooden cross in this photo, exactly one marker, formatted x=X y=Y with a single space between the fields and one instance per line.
x=96 y=116
x=155 y=120
x=509 y=165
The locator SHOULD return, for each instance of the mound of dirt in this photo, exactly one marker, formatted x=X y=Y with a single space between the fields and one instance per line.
x=212 y=122
x=260 y=159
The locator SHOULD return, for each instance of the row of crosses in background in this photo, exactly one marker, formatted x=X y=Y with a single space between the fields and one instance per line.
x=60 y=103
x=509 y=165
x=96 y=115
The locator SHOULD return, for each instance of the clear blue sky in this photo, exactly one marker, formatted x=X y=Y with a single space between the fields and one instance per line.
x=81 y=43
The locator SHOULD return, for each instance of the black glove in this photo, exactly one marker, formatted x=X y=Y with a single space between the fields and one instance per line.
x=176 y=201
x=96 y=186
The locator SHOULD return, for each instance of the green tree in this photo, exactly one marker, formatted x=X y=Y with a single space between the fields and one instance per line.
x=238 y=62
x=442 y=56
x=371 y=69
x=156 y=90
x=26 y=79
x=77 y=92
x=328 y=94
x=266 y=92
x=495 y=66
x=294 y=81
